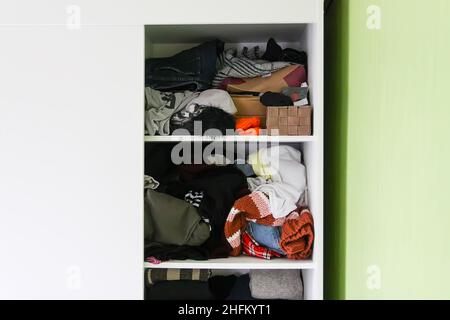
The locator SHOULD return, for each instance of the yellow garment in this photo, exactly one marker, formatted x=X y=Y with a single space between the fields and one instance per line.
x=261 y=168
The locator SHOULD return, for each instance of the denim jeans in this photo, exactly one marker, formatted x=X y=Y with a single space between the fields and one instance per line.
x=266 y=236
x=192 y=69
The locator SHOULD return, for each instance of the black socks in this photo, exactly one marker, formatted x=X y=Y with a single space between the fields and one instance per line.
x=275 y=53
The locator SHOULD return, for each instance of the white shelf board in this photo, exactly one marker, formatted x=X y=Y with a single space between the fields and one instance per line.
x=231 y=33
x=242 y=262
x=271 y=139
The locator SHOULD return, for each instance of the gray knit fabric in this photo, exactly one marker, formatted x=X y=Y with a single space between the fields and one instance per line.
x=276 y=284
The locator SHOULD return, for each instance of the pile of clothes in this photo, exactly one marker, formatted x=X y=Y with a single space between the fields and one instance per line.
x=226 y=208
x=186 y=206
x=195 y=284
x=269 y=222
x=193 y=92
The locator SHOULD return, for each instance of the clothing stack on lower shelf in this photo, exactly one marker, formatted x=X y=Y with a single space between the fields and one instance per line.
x=213 y=91
x=206 y=211
x=268 y=222
x=186 y=212
x=188 y=284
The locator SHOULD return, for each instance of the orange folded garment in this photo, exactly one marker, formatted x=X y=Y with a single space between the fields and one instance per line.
x=250 y=126
x=249 y=132
x=297 y=236
x=247 y=123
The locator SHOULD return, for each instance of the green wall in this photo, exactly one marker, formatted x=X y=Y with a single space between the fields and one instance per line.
x=336 y=95
x=388 y=150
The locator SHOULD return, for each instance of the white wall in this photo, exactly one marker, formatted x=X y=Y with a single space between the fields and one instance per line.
x=140 y=12
x=71 y=162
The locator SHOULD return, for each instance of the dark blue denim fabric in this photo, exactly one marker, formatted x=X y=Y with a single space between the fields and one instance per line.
x=266 y=236
x=192 y=69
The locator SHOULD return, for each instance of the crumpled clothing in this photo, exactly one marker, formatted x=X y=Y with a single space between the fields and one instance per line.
x=241 y=67
x=297 y=236
x=221 y=186
x=253 y=207
x=282 y=166
x=165 y=109
x=161 y=106
x=216 y=98
x=267 y=236
x=210 y=121
x=150 y=183
x=255 y=182
x=186 y=115
x=252 y=248
x=173 y=221
x=194 y=197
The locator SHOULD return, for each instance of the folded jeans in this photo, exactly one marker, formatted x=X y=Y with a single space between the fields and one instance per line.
x=192 y=69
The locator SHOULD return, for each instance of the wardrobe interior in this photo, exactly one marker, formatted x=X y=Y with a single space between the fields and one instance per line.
x=168 y=40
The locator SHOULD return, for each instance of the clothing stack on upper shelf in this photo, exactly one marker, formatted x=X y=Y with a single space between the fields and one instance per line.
x=208 y=87
x=206 y=211
x=189 y=284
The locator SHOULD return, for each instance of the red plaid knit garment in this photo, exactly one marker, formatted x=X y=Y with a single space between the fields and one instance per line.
x=252 y=248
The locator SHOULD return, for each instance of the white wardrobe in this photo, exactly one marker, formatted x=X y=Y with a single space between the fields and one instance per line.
x=72 y=136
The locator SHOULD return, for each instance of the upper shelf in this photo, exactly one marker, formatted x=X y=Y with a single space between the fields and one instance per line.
x=271 y=139
x=232 y=33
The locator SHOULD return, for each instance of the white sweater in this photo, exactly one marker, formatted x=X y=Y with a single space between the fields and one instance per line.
x=285 y=177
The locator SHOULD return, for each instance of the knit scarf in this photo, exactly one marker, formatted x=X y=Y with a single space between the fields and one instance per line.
x=253 y=207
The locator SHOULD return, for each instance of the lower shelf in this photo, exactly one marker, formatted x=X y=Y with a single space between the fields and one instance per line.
x=242 y=262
